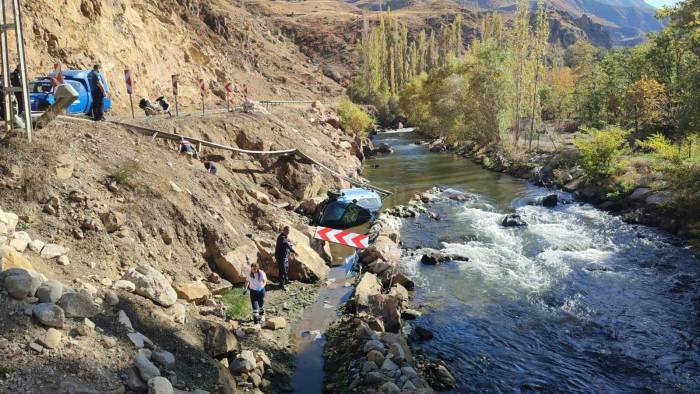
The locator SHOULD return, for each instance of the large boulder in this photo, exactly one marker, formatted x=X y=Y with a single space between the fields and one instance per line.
x=369 y=285
x=52 y=251
x=78 y=305
x=150 y=283
x=235 y=264
x=50 y=291
x=303 y=181
x=21 y=283
x=192 y=291
x=383 y=249
x=218 y=340
x=306 y=265
x=388 y=308
x=433 y=257
x=146 y=369
x=49 y=315
x=550 y=201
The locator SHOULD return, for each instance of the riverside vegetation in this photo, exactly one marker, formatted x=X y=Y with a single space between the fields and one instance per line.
x=615 y=121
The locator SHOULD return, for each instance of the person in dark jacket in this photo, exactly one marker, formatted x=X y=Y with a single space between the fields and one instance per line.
x=210 y=166
x=282 y=249
x=16 y=81
x=97 y=89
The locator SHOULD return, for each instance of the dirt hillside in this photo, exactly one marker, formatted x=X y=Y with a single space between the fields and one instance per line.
x=216 y=40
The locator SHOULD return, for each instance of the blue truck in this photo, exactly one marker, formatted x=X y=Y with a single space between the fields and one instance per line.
x=41 y=92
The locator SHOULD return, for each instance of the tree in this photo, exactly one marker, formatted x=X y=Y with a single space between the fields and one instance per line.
x=539 y=57
x=354 y=119
x=645 y=102
x=600 y=149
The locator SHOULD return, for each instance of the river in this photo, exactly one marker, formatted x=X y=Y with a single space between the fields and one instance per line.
x=577 y=301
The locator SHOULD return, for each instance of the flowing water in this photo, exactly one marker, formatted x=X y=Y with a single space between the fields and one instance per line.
x=577 y=301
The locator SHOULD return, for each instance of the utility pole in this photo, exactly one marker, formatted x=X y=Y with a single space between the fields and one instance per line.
x=23 y=89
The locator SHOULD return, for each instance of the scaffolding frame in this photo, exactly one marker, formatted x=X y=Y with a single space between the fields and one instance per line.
x=7 y=90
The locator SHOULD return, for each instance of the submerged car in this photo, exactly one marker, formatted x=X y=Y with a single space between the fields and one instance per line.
x=348 y=208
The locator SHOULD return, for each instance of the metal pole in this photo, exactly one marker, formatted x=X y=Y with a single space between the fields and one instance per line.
x=228 y=103
x=202 y=105
x=23 y=70
x=131 y=100
x=5 y=68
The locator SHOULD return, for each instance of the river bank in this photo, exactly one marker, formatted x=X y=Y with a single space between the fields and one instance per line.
x=653 y=204
x=577 y=300
x=370 y=348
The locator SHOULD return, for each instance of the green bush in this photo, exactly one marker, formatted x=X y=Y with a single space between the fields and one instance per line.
x=353 y=118
x=238 y=304
x=601 y=149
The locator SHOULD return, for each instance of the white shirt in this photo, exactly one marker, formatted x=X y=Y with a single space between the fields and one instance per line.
x=257 y=282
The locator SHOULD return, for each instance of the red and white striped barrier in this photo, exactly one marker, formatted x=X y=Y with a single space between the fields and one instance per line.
x=174 y=79
x=58 y=74
x=202 y=88
x=129 y=82
x=229 y=87
x=359 y=241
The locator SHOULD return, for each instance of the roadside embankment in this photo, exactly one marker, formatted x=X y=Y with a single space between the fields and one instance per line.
x=122 y=260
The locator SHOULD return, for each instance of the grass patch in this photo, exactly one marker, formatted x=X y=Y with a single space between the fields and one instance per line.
x=237 y=304
x=5 y=372
x=125 y=172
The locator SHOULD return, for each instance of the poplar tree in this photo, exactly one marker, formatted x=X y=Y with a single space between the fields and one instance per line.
x=539 y=55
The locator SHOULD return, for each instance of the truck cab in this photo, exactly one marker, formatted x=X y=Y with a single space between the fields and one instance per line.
x=41 y=92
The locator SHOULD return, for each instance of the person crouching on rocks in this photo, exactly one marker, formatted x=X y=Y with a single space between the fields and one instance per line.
x=256 y=284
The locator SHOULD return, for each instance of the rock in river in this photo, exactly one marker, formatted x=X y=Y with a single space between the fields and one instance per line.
x=513 y=220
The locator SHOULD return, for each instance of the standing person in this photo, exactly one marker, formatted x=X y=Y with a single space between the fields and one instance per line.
x=15 y=81
x=255 y=282
x=98 y=91
x=282 y=249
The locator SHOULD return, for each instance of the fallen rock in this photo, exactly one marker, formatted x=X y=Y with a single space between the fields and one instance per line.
x=77 y=305
x=36 y=245
x=111 y=298
x=150 y=283
x=236 y=264
x=51 y=338
x=160 y=385
x=52 y=251
x=124 y=285
x=369 y=285
x=63 y=260
x=401 y=279
x=86 y=327
x=276 y=323
x=112 y=220
x=109 y=342
x=389 y=388
x=133 y=381
x=388 y=308
x=383 y=249
x=513 y=220
x=139 y=340
x=400 y=292
x=146 y=369
x=306 y=265
x=243 y=363
x=192 y=291
x=164 y=358
x=20 y=283
x=124 y=320
x=49 y=315
x=373 y=344
x=375 y=356
x=218 y=339
x=50 y=291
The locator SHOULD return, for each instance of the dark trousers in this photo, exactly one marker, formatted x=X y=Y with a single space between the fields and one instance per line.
x=283 y=267
x=257 y=300
x=98 y=106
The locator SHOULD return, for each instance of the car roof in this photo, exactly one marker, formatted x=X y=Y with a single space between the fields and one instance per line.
x=361 y=194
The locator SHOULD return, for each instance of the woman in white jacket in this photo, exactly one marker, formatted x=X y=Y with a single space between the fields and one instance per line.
x=255 y=282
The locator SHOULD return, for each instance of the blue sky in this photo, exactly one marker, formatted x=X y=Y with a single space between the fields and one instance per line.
x=660 y=3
